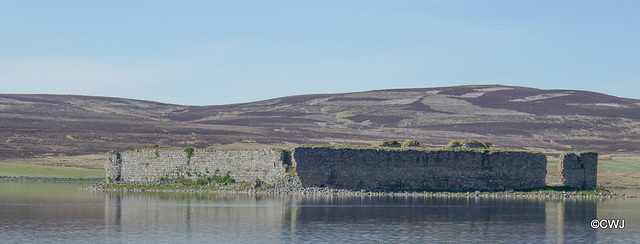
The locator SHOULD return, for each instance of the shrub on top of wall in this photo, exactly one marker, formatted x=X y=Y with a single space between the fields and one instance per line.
x=487 y=144
x=411 y=143
x=392 y=143
x=473 y=144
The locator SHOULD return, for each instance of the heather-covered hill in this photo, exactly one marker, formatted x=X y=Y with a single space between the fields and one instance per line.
x=517 y=117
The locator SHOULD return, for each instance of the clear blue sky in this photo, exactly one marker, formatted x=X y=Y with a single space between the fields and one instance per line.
x=218 y=52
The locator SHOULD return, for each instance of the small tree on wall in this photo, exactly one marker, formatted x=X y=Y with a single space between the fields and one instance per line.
x=189 y=151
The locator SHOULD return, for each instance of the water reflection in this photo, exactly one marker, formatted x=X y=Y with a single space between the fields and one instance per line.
x=30 y=213
x=196 y=215
x=322 y=218
x=566 y=220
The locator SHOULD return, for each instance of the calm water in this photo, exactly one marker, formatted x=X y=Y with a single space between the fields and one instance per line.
x=58 y=212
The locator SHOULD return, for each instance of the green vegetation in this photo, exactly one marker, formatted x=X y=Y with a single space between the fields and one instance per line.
x=608 y=164
x=411 y=143
x=183 y=177
x=552 y=165
x=619 y=164
x=34 y=170
x=613 y=171
x=290 y=170
x=392 y=143
x=280 y=149
x=234 y=186
x=189 y=151
x=468 y=144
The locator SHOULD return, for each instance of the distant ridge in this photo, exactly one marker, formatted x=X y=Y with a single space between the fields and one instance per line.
x=551 y=121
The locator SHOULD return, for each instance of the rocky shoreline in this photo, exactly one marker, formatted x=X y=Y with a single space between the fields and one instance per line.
x=311 y=191
x=288 y=187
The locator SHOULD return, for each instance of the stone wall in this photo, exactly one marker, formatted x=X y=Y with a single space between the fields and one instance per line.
x=340 y=167
x=579 y=171
x=372 y=168
x=149 y=165
x=113 y=166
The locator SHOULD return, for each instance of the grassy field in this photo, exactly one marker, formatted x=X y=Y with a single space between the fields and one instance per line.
x=34 y=170
x=619 y=171
x=613 y=171
x=619 y=164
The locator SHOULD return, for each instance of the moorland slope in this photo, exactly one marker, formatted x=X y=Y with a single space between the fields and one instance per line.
x=551 y=121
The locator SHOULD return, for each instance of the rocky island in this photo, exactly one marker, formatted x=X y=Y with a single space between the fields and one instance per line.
x=461 y=166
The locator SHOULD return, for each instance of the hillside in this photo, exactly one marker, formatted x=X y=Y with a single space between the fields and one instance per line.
x=552 y=121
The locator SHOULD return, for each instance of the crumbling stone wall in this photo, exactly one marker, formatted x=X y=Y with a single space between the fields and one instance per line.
x=347 y=168
x=149 y=165
x=372 y=168
x=113 y=166
x=579 y=171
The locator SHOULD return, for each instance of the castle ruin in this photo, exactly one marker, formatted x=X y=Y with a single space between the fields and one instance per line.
x=355 y=167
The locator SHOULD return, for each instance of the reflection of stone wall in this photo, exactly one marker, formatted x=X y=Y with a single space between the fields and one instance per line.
x=238 y=217
x=565 y=220
x=418 y=169
x=244 y=165
x=579 y=171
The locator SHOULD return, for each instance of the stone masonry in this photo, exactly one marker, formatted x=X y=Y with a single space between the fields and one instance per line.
x=148 y=165
x=408 y=169
x=360 y=167
x=113 y=166
x=579 y=171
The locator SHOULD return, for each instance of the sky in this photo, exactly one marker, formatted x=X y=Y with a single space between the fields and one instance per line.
x=200 y=52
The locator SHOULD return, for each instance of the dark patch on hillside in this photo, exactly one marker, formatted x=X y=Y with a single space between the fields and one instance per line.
x=419 y=106
x=457 y=91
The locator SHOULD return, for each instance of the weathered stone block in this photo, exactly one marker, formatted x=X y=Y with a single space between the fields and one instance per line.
x=244 y=165
x=579 y=171
x=418 y=169
x=590 y=162
x=113 y=166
